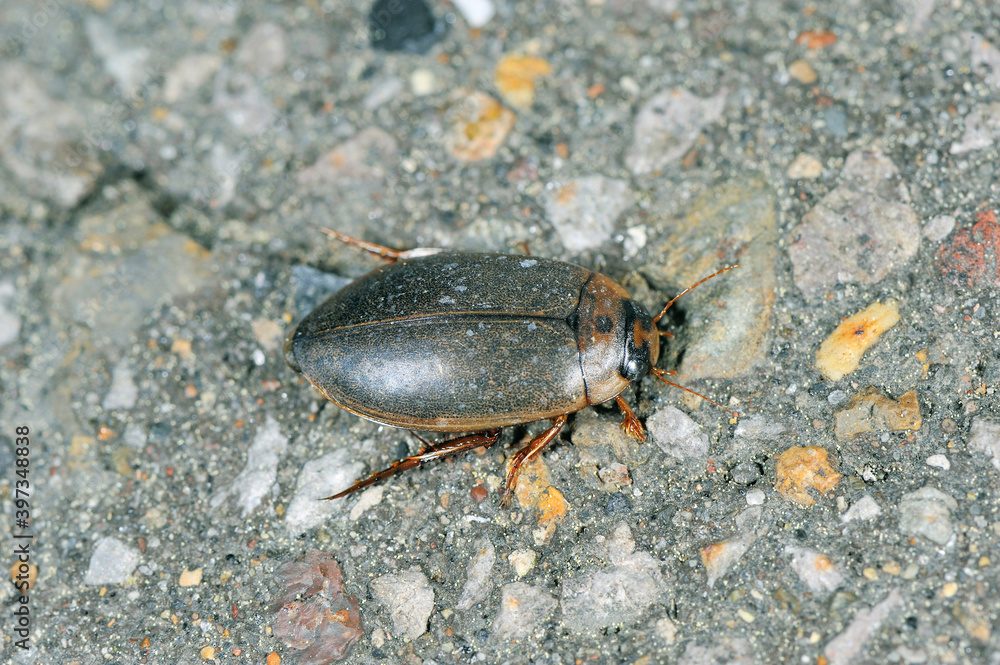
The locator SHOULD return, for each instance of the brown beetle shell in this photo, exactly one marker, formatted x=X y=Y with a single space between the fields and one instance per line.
x=456 y=342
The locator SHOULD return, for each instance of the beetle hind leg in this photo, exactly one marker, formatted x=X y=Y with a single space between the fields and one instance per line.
x=631 y=423
x=526 y=453
x=430 y=452
x=387 y=253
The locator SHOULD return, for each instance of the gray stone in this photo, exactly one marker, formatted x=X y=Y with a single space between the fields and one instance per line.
x=583 y=210
x=846 y=648
x=111 y=563
x=123 y=392
x=984 y=437
x=254 y=482
x=815 y=569
x=620 y=593
x=408 y=597
x=321 y=477
x=479 y=581
x=40 y=139
x=735 y=222
x=523 y=610
x=677 y=434
x=667 y=126
x=861 y=231
x=927 y=513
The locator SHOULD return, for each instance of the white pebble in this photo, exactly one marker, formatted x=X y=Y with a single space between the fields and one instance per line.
x=477 y=13
x=940 y=461
x=755 y=497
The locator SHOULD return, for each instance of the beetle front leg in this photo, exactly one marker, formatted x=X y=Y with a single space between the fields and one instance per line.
x=526 y=453
x=631 y=423
x=428 y=453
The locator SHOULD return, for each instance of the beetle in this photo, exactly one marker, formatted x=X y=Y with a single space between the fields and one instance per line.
x=447 y=341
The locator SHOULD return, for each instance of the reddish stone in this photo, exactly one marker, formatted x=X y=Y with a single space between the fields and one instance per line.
x=313 y=614
x=972 y=256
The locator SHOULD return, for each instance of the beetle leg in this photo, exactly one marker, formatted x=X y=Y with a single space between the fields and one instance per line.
x=631 y=423
x=387 y=253
x=428 y=453
x=526 y=453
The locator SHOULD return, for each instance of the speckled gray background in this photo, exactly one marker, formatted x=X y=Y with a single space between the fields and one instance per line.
x=162 y=165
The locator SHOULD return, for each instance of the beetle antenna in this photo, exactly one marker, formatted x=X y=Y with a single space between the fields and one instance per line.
x=661 y=373
x=700 y=281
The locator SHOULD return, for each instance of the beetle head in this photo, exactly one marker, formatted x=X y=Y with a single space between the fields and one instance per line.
x=642 y=342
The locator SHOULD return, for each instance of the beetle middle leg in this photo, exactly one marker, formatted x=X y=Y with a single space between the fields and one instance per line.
x=429 y=452
x=526 y=453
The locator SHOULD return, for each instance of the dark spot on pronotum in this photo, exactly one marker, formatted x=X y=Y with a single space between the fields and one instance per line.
x=603 y=324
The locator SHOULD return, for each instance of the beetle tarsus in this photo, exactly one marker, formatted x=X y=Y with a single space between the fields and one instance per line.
x=428 y=453
x=630 y=422
x=526 y=453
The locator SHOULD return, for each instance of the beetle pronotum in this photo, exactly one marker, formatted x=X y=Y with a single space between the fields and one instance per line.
x=458 y=342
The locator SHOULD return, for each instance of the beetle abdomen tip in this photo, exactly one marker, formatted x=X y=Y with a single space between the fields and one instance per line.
x=289 y=351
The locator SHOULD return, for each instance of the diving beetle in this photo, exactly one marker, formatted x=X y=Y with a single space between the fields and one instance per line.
x=447 y=341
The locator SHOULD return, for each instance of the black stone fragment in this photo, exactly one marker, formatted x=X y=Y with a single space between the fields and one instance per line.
x=403 y=25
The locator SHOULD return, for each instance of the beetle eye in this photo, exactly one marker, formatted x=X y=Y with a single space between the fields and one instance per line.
x=633 y=368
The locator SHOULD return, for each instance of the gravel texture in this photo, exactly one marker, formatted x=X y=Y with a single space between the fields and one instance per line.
x=164 y=169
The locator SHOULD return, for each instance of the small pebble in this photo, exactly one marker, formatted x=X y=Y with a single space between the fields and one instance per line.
x=719 y=557
x=800 y=469
x=984 y=438
x=321 y=477
x=967 y=258
x=802 y=71
x=522 y=561
x=584 y=210
x=422 y=82
x=480 y=127
x=805 y=167
x=937 y=228
x=871 y=412
x=618 y=505
x=927 y=513
x=815 y=569
x=254 y=482
x=948 y=590
x=870 y=206
x=746 y=473
x=123 y=393
x=865 y=508
x=620 y=593
x=840 y=353
x=479 y=493
x=891 y=568
x=369 y=498
x=477 y=13
x=939 y=461
x=755 y=497
x=515 y=77
x=190 y=577
x=208 y=653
